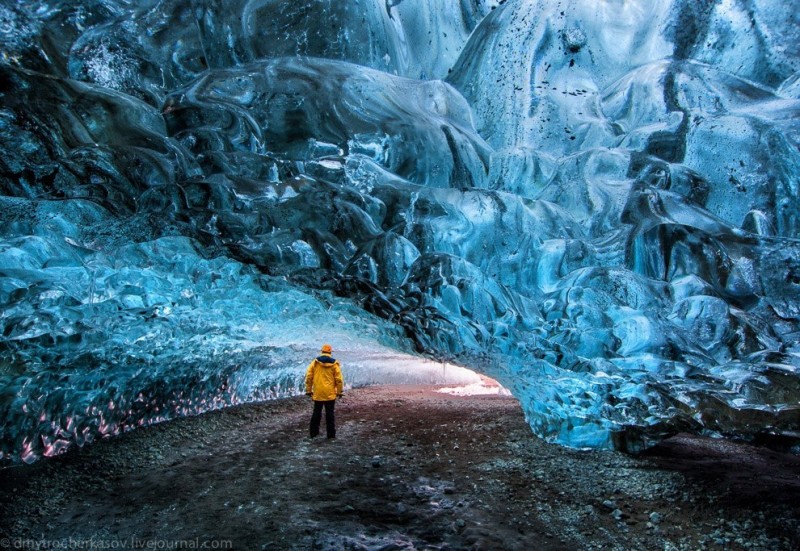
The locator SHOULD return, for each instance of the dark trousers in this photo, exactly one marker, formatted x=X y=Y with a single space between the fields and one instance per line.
x=316 y=417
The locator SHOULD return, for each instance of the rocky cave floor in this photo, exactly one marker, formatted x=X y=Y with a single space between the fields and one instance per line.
x=412 y=468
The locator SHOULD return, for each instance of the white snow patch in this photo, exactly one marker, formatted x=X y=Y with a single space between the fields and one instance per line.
x=484 y=386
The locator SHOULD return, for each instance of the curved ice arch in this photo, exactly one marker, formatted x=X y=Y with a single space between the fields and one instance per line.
x=101 y=336
x=149 y=48
x=307 y=108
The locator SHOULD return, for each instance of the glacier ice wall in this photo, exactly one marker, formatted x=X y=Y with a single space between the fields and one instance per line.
x=595 y=202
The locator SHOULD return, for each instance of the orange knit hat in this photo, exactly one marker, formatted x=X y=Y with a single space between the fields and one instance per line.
x=327 y=349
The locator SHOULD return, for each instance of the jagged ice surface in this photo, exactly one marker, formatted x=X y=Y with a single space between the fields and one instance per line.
x=595 y=202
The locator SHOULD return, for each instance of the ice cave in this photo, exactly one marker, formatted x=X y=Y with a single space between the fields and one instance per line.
x=594 y=202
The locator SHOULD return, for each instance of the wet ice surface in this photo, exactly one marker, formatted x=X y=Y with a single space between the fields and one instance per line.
x=593 y=203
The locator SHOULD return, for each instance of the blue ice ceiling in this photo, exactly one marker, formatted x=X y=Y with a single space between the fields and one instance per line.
x=595 y=202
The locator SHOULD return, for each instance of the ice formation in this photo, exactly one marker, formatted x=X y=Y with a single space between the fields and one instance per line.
x=594 y=202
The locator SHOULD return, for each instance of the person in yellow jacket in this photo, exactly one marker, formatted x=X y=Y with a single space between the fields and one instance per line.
x=324 y=384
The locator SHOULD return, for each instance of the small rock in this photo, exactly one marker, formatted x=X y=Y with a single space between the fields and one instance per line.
x=656 y=517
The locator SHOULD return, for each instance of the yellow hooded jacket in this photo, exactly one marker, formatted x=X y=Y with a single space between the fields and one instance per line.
x=324 y=378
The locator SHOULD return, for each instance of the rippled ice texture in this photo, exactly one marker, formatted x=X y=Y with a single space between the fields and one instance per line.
x=595 y=202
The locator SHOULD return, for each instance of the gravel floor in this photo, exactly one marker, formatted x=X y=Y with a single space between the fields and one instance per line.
x=411 y=468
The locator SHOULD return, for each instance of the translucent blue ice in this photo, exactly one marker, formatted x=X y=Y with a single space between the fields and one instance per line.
x=595 y=202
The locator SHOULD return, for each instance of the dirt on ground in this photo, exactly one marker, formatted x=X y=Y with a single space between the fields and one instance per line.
x=412 y=468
